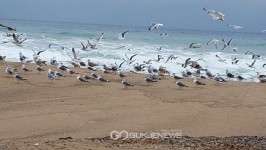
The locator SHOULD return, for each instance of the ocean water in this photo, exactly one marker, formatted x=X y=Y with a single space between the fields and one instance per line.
x=140 y=41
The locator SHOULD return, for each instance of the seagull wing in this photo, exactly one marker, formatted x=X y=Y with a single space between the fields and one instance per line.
x=39 y=52
x=15 y=38
x=74 y=53
x=253 y=63
x=23 y=40
x=124 y=33
x=133 y=56
x=229 y=42
x=121 y=64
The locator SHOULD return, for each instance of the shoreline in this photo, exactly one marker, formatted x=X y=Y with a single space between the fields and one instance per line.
x=39 y=110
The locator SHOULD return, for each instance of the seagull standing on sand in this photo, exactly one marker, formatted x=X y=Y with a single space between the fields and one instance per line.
x=23 y=68
x=196 y=82
x=229 y=75
x=81 y=79
x=149 y=80
x=155 y=25
x=39 y=69
x=51 y=76
x=9 y=70
x=126 y=83
x=215 y=14
x=101 y=79
x=18 y=77
x=180 y=85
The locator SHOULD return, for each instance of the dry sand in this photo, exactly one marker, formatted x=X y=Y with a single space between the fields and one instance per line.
x=39 y=111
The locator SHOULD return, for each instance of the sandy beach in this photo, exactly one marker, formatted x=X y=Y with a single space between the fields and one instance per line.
x=40 y=111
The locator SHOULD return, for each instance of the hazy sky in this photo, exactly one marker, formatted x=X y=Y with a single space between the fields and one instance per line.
x=184 y=14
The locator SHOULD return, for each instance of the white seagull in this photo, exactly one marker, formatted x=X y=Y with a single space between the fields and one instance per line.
x=215 y=41
x=235 y=26
x=155 y=25
x=215 y=14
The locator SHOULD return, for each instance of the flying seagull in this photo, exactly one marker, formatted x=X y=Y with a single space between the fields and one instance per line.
x=235 y=26
x=122 y=36
x=215 y=14
x=17 y=42
x=215 y=41
x=226 y=44
x=195 y=45
x=155 y=25
x=220 y=59
x=129 y=60
x=252 y=64
x=8 y=27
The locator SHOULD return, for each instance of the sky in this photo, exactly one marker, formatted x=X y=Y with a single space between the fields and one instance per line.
x=180 y=14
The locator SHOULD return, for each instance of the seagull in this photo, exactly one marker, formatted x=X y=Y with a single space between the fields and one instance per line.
x=220 y=59
x=195 y=45
x=87 y=77
x=95 y=76
x=226 y=44
x=100 y=38
x=240 y=78
x=84 y=47
x=196 y=82
x=92 y=46
x=9 y=70
x=17 y=42
x=149 y=80
x=215 y=14
x=261 y=77
x=252 y=64
x=18 y=77
x=81 y=79
x=180 y=84
x=155 y=25
x=126 y=83
x=51 y=75
x=235 y=26
x=62 y=67
x=8 y=27
x=171 y=57
x=209 y=74
x=120 y=65
x=22 y=58
x=121 y=75
x=23 y=68
x=2 y=58
x=71 y=71
x=101 y=79
x=176 y=77
x=39 y=69
x=229 y=75
x=215 y=41
x=53 y=61
x=122 y=36
x=129 y=60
